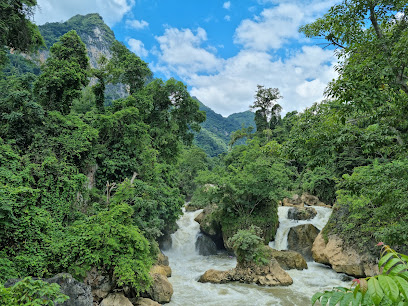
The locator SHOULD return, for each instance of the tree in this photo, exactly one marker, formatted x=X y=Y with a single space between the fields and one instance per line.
x=371 y=38
x=128 y=68
x=102 y=74
x=17 y=32
x=267 y=109
x=65 y=74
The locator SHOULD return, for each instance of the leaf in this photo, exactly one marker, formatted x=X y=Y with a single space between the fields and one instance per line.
x=336 y=297
x=375 y=291
x=384 y=259
x=348 y=297
x=325 y=298
x=357 y=298
x=316 y=296
x=389 y=287
x=402 y=285
x=390 y=264
x=404 y=275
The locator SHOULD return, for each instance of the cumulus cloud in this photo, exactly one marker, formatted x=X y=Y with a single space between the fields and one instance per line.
x=137 y=47
x=227 y=5
x=137 y=24
x=301 y=79
x=112 y=11
x=279 y=24
x=180 y=52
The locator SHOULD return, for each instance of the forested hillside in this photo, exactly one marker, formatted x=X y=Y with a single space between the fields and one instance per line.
x=216 y=131
x=87 y=185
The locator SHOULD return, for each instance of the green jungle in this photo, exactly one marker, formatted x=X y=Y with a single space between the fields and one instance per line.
x=98 y=157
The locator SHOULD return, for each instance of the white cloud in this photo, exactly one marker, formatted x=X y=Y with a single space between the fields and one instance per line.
x=137 y=24
x=227 y=5
x=300 y=78
x=137 y=47
x=180 y=52
x=112 y=11
x=227 y=17
x=279 y=24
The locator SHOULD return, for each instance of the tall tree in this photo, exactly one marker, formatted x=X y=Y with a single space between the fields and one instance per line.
x=128 y=68
x=265 y=105
x=65 y=74
x=16 y=30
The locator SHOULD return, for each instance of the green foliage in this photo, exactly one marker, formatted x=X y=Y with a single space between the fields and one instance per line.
x=108 y=240
x=216 y=130
x=154 y=207
x=267 y=114
x=32 y=293
x=321 y=183
x=64 y=74
x=249 y=247
x=192 y=161
x=371 y=205
x=388 y=288
x=16 y=29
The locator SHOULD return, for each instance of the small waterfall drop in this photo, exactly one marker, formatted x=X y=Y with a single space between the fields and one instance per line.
x=187 y=266
x=285 y=224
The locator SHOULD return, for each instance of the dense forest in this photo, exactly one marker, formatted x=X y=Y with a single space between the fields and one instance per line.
x=91 y=181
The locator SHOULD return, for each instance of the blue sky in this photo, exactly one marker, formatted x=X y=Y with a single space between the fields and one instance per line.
x=220 y=49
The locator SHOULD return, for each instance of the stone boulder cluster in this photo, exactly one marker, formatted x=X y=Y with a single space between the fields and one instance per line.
x=98 y=288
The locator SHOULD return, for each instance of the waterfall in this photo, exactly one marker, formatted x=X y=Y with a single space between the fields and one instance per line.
x=187 y=266
x=285 y=224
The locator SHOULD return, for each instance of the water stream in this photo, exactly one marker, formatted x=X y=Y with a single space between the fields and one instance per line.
x=188 y=266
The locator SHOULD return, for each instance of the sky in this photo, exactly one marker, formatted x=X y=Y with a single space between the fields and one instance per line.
x=220 y=49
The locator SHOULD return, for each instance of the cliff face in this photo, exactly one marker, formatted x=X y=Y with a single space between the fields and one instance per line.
x=96 y=35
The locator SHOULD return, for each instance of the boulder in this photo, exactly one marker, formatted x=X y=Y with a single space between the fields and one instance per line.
x=215 y=277
x=209 y=226
x=116 y=299
x=159 y=269
x=301 y=213
x=266 y=275
x=161 y=290
x=301 y=238
x=100 y=282
x=79 y=293
x=162 y=260
x=288 y=259
x=343 y=258
x=205 y=245
x=312 y=200
x=294 y=201
x=145 y=302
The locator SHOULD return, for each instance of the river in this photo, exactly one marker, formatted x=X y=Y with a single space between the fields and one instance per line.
x=187 y=266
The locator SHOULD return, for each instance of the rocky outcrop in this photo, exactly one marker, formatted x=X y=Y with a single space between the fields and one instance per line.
x=101 y=284
x=215 y=277
x=145 y=302
x=301 y=238
x=265 y=275
x=343 y=259
x=79 y=293
x=165 y=242
x=288 y=259
x=162 y=260
x=209 y=226
x=205 y=245
x=161 y=289
x=116 y=299
x=301 y=213
x=305 y=199
x=160 y=269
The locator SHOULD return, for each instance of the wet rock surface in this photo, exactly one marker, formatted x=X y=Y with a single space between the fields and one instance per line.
x=301 y=238
x=301 y=213
x=205 y=245
x=288 y=259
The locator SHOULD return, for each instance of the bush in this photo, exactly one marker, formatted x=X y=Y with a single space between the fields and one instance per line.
x=249 y=247
x=31 y=292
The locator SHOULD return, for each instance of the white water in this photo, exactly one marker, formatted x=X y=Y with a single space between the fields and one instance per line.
x=281 y=238
x=187 y=266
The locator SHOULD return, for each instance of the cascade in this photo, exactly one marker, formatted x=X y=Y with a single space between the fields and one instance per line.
x=187 y=266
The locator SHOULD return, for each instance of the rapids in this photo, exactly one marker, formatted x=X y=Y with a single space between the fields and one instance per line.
x=187 y=266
